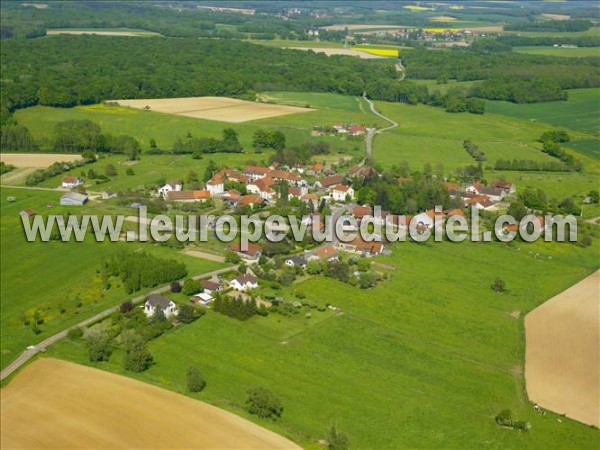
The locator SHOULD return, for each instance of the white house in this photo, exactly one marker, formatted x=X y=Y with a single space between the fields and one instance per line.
x=175 y=185
x=155 y=302
x=339 y=192
x=244 y=283
x=215 y=185
x=71 y=182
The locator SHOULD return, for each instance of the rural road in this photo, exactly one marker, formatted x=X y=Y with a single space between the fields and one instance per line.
x=40 y=347
x=371 y=133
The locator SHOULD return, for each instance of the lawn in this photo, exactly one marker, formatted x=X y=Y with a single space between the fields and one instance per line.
x=579 y=112
x=53 y=276
x=418 y=352
x=579 y=52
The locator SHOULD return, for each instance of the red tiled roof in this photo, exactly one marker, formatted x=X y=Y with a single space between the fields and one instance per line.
x=253 y=249
x=250 y=200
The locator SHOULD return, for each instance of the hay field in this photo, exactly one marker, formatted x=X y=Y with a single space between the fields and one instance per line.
x=562 y=354
x=58 y=404
x=36 y=160
x=223 y=109
x=340 y=51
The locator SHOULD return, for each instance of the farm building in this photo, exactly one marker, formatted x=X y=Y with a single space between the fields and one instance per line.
x=71 y=182
x=155 y=302
x=175 y=185
x=73 y=199
x=244 y=283
x=188 y=196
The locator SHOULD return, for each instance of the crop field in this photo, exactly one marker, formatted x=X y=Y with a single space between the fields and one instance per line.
x=221 y=109
x=103 y=32
x=434 y=347
x=562 y=352
x=579 y=112
x=363 y=54
x=579 y=52
x=385 y=52
x=66 y=288
x=73 y=406
x=36 y=160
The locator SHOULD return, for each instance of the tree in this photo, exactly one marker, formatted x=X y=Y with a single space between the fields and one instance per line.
x=517 y=210
x=98 y=344
x=137 y=358
x=175 y=287
x=187 y=314
x=195 y=380
x=232 y=257
x=263 y=403
x=191 y=287
x=129 y=171
x=126 y=307
x=230 y=140
x=498 y=285
x=336 y=440
x=594 y=197
x=210 y=170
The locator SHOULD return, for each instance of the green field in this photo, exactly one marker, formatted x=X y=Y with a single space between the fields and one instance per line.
x=418 y=352
x=579 y=52
x=590 y=148
x=54 y=275
x=315 y=100
x=579 y=112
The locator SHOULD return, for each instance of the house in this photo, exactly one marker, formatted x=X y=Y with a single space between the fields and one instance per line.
x=27 y=213
x=361 y=171
x=340 y=128
x=455 y=212
x=506 y=185
x=292 y=178
x=71 y=182
x=362 y=247
x=106 y=195
x=297 y=192
x=329 y=181
x=325 y=254
x=253 y=250
x=262 y=187
x=310 y=198
x=188 y=196
x=357 y=130
x=339 y=192
x=154 y=302
x=397 y=221
x=495 y=194
x=452 y=188
x=480 y=202
x=251 y=200
x=232 y=196
x=73 y=199
x=361 y=211
x=255 y=173
x=296 y=261
x=203 y=298
x=244 y=283
x=175 y=185
x=211 y=286
x=215 y=185
x=234 y=175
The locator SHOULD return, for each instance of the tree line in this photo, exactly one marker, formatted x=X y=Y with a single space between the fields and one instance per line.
x=568 y=26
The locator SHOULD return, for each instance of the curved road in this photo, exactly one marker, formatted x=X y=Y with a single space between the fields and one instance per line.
x=371 y=133
x=41 y=347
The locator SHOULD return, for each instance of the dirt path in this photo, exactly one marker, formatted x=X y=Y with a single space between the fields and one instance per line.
x=58 y=404
x=562 y=353
x=371 y=133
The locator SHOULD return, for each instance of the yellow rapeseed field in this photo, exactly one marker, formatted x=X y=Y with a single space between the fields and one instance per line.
x=389 y=52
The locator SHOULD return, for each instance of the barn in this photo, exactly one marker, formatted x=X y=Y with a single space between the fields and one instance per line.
x=73 y=199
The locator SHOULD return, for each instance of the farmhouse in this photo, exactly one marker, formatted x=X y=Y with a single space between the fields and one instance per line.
x=506 y=185
x=339 y=192
x=188 y=196
x=73 y=199
x=253 y=252
x=155 y=302
x=296 y=192
x=332 y=180
x=356 y=130
x=362 y=247
x=255 y=172
x=71 y=182
x=236 y=176
x=175 y=185
x=106 y=195
x=251 y=200
x=215 y=186
x=325 y=254
x=361 y=211
x=244 y=283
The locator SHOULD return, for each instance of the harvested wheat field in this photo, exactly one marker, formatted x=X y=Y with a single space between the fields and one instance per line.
x=35 y=160
x=57 y=404
x=562 y=353
x=222 y=109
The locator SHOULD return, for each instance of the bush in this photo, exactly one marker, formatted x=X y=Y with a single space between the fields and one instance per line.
x=195 y=380
x=126 y=307
x=498 y=285
x=187 y=314
x=137 y=358
x=98 y=346
x=129 y=171
x=191 y=287
x=336 y=440
x=263 y=403
x=175 y=287
x=75 y=333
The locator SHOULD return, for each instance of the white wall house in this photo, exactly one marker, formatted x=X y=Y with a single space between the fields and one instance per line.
x=339 y=192
x=71 y=182
x=215 y=185
x=155 y=302
x=244 y=283
x=175 y=185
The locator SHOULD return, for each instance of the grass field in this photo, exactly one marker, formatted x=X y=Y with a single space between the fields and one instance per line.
x=70 y=413
x=579 y=52
x=587 y=147
x=52 y=276
x=222 y=109
x=418 y=350
x=579 y=112
x=314 y=100
x=565 y=375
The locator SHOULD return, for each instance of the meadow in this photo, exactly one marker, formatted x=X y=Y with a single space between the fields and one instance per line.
x=417 y=352
x=579 y=52
x=58 y=279
x=580 y=112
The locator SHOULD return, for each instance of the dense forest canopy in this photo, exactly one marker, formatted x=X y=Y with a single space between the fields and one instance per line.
x=70 y=70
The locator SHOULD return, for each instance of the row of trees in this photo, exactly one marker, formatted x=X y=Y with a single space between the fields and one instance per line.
x=301 y=154
x=568 y=26
x=238 y=308
x=57 y=168
x=198 y=146
x=268 y=139
x=530 y=165
x=476 y=153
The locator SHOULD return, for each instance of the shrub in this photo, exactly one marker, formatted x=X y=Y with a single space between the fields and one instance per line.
x=191 y=287
x=175 y=287
x=336 y=440
x=187 y=314
x=195 y=380
x=75 y=333
x=498 y=285
x=263 y=403
x=126 y=307
x=137 y=358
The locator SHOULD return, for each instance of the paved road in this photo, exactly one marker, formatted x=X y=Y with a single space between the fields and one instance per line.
x=371 y=133
x=30 y=352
